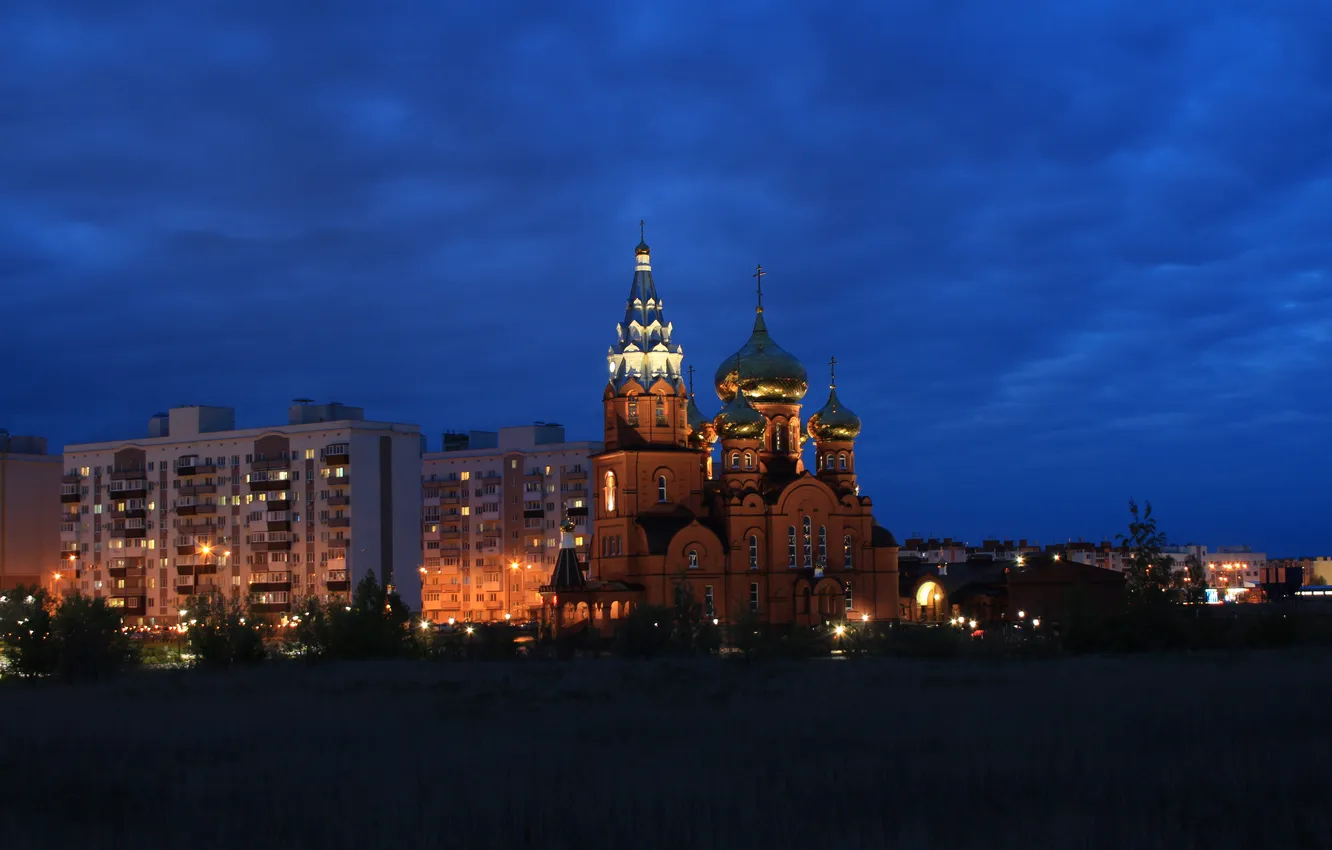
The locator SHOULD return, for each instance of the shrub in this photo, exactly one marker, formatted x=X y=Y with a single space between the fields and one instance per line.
x=25 y=621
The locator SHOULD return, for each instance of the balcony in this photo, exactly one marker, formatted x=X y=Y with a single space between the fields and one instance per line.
x=69 y=527
x=70 y=493
x=338 y=501
x=128 y=533
x=576 y=475
x=129 y=488
x=337 y=480
x=196 y=489
x=339 y=543
x=337 y=454
x=205 y=509
x=269 y=484
x=339 y=522
x=265 y=465
x=68 y=551
x=337 y=586
x=191 y=466
x=273 y=546
x=71 y=479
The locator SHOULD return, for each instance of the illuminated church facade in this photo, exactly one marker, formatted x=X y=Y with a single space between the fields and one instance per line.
x=726 y=504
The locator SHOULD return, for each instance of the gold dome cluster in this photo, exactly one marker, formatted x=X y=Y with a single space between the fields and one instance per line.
x=763 y=370
x=834 y=422
x=738 y=420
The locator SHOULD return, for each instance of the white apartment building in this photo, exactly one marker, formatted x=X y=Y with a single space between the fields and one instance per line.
x=267 y=516
x=492 y=506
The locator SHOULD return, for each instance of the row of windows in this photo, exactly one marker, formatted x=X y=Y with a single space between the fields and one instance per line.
x=220 y=460
x=847 y=548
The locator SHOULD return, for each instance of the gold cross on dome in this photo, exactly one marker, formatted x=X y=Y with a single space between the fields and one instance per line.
x=832 y=370
x=758 y=276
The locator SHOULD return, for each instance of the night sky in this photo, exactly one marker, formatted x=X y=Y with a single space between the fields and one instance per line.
x=1065 y=253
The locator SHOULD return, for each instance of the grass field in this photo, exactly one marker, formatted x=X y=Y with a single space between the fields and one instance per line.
x=1211 y=751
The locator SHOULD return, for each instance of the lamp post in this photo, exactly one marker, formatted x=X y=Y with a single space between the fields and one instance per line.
x=180 y=639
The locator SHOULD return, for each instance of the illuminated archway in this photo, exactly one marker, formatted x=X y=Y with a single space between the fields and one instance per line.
x=931 y=601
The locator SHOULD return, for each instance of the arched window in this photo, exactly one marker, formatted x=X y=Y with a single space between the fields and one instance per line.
x=749 y=461
x=841 y=462
x=847 y=560
x=779 y=437
x=661 y=488
x=693 y=559
x=661 y=410
x=823 y=544
x=633 y=410
x=608 y=492
x=828 y=462
x=790 y=547
x=809 y=543
x=735 y=460
x=849 y=604
x=753 y=551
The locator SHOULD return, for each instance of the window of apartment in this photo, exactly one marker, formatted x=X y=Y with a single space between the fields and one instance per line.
x=309 y=454
x=465 y=476
x=753 y=597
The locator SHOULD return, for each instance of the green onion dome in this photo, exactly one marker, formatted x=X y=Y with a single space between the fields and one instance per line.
x=834 y=421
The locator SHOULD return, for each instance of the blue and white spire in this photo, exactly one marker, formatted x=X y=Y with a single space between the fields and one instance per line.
x=643 y=349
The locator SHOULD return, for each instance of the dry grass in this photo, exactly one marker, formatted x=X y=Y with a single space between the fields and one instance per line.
x=1166 y=752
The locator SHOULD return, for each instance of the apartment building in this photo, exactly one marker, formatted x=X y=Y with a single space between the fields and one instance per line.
x=267 y=516
x=29 y=527
x=492 y=506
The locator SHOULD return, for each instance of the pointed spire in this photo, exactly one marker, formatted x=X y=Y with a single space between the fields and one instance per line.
x=642 y=240
x=643 y=349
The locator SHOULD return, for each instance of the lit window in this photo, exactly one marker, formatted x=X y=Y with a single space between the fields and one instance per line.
x=608 y=494
x=808 y=542
x=578 y=540
x=779 y=437
x=749 y=461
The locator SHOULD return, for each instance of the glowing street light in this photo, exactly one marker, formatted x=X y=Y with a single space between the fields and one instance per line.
x=839 y=631
x=452 y=621
x=470 y=630
x=507 y=616
x=425 y=624
x=1036 y=622
x=864 y=618
x=1022 y=614
x=973 y=624
x=1021 y=560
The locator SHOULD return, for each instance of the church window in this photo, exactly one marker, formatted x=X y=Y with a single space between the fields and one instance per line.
x=809 y=559
x=828 y=463
x=841 y=462
x=661 y=410
x=633 y=410
x=693 y=559
x=749 y=461
x=709 y=602
x=823 y=544
x=609 y=491
x=753 y=597
x=779 y=437
x=735 y=460
x=849 y=604
x=661 y=488
x=790 y=547
x=846 y=551
x=753 y=551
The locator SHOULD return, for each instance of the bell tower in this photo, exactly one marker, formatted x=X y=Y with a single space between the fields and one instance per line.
x=649 y=467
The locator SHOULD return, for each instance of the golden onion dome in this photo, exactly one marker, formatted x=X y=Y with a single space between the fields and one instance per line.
x=738 y=420
x=765 y=371
x=701 y=431
x=834 y=422
x=567 y=524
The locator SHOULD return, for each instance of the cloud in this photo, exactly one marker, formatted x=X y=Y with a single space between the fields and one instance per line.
x=1041 y=238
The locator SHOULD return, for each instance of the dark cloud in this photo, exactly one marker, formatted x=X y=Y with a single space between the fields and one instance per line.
x=1067 y=253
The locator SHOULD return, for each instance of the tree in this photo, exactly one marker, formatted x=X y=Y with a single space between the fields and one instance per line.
x=374 y=625
x=221 y=635
x=25 y=622
x=1191 y=583
x=90 y=641
x=1149 y=573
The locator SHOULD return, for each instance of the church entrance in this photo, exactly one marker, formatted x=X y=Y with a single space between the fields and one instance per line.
x=931 y=602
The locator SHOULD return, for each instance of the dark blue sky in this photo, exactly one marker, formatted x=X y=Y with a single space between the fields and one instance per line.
x=1066 y=253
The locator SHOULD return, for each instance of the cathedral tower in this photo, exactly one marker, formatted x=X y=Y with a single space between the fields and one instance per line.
x=773 y=382
x=835 y=429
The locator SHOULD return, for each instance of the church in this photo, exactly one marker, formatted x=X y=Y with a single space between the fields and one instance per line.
x=725 y=504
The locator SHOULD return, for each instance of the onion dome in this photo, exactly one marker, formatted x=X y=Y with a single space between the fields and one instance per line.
x=567 y=524
x=738 y=420
x=834 y=422
x=765 y=372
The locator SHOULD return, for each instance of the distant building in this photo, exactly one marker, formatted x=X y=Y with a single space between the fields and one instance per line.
x=266 y=515
x=29 y=518
x=492 y=507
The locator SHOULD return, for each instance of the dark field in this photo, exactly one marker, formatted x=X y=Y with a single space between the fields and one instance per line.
x=1166 y=752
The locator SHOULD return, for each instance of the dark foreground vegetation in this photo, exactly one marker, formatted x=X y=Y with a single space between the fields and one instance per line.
x=1217 y=750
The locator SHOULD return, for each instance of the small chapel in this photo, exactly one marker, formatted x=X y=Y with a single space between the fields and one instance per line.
x=724 y=504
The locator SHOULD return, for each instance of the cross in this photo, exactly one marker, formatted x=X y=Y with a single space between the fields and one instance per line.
x=691 y=380
x=758 y=275
x=640 y=230
x=832 y=368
